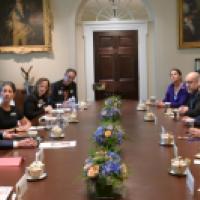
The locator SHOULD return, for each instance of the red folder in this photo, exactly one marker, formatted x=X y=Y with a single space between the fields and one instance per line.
x=10 y=161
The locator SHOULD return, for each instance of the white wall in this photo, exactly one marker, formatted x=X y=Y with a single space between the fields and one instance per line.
x=165 y=45
x=162 y=53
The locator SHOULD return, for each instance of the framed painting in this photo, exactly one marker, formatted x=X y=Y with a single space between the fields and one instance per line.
x=25 y=26
x=189 y=23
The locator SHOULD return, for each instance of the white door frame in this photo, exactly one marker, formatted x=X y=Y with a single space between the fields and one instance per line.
x=90 y=27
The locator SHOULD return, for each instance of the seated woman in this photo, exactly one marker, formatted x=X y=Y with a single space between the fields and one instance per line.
x=6 y=141
x=10 y=118
x=176 y=92
x=38 y=102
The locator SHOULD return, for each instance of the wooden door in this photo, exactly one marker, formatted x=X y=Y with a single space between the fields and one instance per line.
x=116 y=64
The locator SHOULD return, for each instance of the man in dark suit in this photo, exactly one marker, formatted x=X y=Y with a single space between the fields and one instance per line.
x=193 y=105
x=6 y=141
x=66 y=88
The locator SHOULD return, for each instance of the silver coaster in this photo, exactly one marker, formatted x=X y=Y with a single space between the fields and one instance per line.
x=43 y=176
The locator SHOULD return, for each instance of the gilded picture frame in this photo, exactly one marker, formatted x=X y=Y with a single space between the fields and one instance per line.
x=189 y=23
x=25 y=26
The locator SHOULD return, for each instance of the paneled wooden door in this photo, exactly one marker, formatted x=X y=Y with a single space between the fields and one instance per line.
x=116 y=64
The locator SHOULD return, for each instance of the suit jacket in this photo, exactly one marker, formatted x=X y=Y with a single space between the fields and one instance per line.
x=193 y=105
x=34 y=106
x=5 y=144
x=58 y=90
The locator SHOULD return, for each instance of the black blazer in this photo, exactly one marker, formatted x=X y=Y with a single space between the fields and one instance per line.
x=5 y=144
x=193 y=104
x=58 y=89
x=34 y=106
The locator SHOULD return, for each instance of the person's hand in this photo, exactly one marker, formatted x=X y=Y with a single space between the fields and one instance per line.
x=8 y=135
x=183 y=109
x=48 y=109
x=194 y=132
x=160 y=104
x=20 y=129
x=27 y=143
x=186 y=119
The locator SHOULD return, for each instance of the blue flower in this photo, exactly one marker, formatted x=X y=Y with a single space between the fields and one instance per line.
x=101 y=137
x=110 y=113
x=110 y=168
x=119 y=136
x=114 y=156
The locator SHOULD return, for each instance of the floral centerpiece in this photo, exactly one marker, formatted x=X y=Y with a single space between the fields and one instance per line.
x=110 y=114
x=108 y=137
x=105 y=174
x=111 y=109
x=113 y=101
x=104 y=171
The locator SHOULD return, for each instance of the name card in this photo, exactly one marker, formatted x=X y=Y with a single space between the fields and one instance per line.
x=190 y=181
x=197 y=161
x=39 y=155
x=5 y=192
x=155 y=120
x=175 y=151
x=21 y=187
x=57 y=145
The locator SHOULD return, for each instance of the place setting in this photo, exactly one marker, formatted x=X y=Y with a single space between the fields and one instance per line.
x=56 y=132
x=36 y=170
x=142 y=106
x=166 y=137
x=178 y=165
x=149 y=116
x=73 y=117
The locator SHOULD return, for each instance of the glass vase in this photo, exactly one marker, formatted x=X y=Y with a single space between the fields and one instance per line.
x=98 y=191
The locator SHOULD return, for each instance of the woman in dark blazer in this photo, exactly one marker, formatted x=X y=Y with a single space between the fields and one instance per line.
x=12 y=121
x=38 y=102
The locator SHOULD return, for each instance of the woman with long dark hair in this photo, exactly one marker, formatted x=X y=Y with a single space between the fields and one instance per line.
x=10 y=117
x=12 y=122
x=38 y=102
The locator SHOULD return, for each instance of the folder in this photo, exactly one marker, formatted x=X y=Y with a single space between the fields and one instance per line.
x=10 y=161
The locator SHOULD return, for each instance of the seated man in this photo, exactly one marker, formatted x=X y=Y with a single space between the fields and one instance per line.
x=66 y=88
x=6 y=141
x=193 y=104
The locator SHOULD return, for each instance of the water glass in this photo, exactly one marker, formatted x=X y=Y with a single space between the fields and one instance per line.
x=190 y=122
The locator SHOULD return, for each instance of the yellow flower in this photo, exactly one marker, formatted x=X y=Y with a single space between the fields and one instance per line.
x=108 y=133
x=93 y=171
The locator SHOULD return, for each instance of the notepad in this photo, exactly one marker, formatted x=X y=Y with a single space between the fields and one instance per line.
x=36 y=128
x=5 y=192
x=10 y=161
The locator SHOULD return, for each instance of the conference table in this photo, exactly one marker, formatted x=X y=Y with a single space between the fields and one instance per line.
x=148 y=162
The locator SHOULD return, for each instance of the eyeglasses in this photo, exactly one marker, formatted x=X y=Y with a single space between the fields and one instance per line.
x=189 y=82
x=70 y=77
